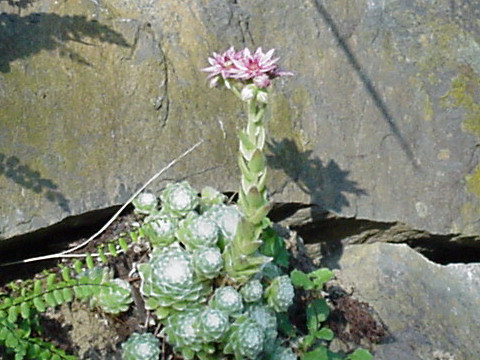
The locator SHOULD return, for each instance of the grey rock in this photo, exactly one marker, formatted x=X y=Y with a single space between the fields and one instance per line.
x=431 y=310
x=378 y=123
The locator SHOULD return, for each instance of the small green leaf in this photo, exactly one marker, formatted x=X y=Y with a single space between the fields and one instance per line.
x=324 y=334
x=112 y=249
x=307 y=341
x=321 y=276
x=50 y=280
x=101 y=254
x=78 y=265
x=57 y=294
x=12 y=314
x=360 y=354
x=37 y=287
x=319 y=353
x=11 y=341
x=25 y=310
x=4 y=333
x=123 y=243
x=66 y=274
x=89 y=261
x=67 y=294
x=49 y=299
x=300 y=279
x=317 y=312
x=39 y=304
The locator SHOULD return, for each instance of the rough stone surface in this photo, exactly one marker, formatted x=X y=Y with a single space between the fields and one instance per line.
x=380 y=122
x=429 y=308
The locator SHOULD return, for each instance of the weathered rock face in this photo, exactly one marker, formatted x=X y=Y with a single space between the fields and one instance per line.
x=380 y=122
x=429 y=309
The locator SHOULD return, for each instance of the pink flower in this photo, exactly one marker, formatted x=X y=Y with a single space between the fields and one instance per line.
x=244 y=67
x=221 y=65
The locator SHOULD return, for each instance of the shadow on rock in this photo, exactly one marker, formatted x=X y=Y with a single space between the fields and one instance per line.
x=26 y=177
x=19 y=4
x=23 y=36
x=326 y=184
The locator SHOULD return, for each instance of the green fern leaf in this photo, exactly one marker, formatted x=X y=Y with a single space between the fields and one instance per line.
x=25 y=310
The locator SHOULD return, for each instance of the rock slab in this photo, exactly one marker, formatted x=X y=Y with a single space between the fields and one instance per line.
x=380 y=122
x=429 y=309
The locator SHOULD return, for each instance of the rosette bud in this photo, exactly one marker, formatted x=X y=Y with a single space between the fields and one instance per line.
x=209 y=197
x=168 y=280
x=160 y=229
x=266 y=318
x=283 y=353
x=182 y=332
x=141 y=347
x=178 y=199
x=212 y=324
x=228 y=300
x=248 y=92
x=145 y=203
x=252 y=291
x=197 y=232
x=227 y=218
x=245 y=339
x=207 y=262
x=280 y=293
x=114 y=296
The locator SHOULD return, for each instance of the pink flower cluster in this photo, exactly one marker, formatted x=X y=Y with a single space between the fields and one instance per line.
x=258 y=68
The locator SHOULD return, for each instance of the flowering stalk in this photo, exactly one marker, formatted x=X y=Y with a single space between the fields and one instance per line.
x=248 y=76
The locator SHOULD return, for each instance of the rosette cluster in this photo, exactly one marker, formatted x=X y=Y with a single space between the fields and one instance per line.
x=141 y=347
x=205 y=315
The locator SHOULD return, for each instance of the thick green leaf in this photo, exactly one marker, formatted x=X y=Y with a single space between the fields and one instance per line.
x=37 y=287
x=12 y=314
x=25 y=310
x=324 y=334
x=123 y=243
x=57 y=294
x=319 y=353
x=360 y=354
x=317 y=312
x=67 y=294
x=11 y=341
x=89 y=261
x=66 y=274
x=39 y=304
x=321 y=276
x=3 y=331
x=257 y=164
x=50 y=299
x=300 y=279
x=112 y=249
x=50 y=280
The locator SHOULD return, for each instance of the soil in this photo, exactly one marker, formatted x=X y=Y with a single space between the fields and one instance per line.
x=88 y=333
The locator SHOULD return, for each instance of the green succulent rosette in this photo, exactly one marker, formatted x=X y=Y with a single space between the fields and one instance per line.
x=228 y=300
x=267 y=319
x=160 y=229
x=209 y=197
x=227 y=217
x=207 y=262
x=145 y=203
x=168 y=281
x=244 y=339
x=212 y=324
x=280 y=293
x=197 y=231
x=252 y=291
x=178 y=199
x=283 y=353
x=114 y=297
x=141 y=347
x=183 y=332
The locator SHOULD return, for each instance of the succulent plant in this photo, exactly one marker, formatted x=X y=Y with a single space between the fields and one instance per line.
x=160 y=229
x=283 y=353
x=197 y=231
x=228 y=300
x=209 y=197
x=179 y=198
x=266 y=318
x=245 y=339
x=114 y=297
x=145 y=203
x=141 y=347
x=168 y=280
x=227 y=218
x=207 y=262
x=280 y=293
x=212 y=324
x=182 y=332
x=252 y=291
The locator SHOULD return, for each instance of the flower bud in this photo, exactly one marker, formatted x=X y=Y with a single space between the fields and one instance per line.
x=248 y=92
